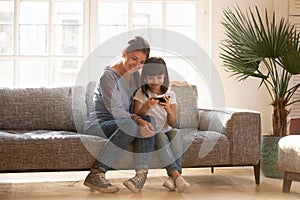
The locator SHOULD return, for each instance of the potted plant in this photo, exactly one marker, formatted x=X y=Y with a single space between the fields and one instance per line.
x=260 y=48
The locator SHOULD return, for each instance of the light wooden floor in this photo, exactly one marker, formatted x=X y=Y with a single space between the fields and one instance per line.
x=225 y=183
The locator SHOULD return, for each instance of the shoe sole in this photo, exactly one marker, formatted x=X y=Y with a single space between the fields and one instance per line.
x=183 y=188
x=169 y=187
x=131 y=187
x=103 y=190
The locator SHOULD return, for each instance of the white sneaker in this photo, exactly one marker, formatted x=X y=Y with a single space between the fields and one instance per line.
x=181 y=184
x=169 y=183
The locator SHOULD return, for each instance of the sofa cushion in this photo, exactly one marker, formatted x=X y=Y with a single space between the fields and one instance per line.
x=44 y=150
x=187 y=110
x=42 y=108
x=205 y=148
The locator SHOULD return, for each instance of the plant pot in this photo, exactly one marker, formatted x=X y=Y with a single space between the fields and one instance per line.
x=269 y=157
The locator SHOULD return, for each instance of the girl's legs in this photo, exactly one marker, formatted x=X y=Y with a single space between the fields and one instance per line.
x=170 y=153
x=170 y=149
x=176 y=143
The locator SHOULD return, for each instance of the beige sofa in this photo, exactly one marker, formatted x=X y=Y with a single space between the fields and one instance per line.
x=41 y=129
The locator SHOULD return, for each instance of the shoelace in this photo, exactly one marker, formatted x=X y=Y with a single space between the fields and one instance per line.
x=139 y=178
x=102 y=178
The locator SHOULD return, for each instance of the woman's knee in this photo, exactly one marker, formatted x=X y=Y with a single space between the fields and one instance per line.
x=129 y=127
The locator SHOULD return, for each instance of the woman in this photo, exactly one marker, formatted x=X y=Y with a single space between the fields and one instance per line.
x=113 y=118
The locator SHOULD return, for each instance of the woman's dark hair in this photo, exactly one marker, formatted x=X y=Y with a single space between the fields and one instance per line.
x=138 y=44
x=154 y=66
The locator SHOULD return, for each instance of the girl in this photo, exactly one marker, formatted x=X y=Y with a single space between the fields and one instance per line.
x=154 y=99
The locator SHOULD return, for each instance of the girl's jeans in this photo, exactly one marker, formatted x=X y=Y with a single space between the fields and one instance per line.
x=120 y=134
x=169 y=147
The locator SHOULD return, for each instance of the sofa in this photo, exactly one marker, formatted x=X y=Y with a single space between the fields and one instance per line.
x=41 y=129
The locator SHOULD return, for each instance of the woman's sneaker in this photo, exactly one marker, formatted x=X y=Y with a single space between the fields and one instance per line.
x=181 y=184
x=136 y=183
x=169 y=183
x=96 y=180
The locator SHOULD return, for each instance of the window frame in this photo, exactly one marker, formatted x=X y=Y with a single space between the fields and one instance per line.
x=90 y=32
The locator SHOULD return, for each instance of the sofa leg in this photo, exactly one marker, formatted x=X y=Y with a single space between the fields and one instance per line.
x=212 y=170
x=257 y=173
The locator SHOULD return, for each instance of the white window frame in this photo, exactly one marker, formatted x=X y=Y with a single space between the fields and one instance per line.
x=90 y=24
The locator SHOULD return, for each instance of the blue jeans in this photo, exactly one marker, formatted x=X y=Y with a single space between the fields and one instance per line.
x=170 y=149
x=120 y=134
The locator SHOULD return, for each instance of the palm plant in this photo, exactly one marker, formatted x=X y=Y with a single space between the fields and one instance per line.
x=265 y=50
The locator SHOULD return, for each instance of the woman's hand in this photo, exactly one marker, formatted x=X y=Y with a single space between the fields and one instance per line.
x=146 y=128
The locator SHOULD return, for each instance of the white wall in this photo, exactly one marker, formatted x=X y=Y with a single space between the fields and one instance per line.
x=244 y=94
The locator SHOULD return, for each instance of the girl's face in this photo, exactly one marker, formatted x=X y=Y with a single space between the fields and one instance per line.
x=156 y=81
x=133 y=61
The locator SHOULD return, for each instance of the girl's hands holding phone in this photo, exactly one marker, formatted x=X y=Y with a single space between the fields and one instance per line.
x=150 y=103
x=166 y=104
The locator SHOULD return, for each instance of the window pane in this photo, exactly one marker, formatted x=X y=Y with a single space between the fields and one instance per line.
x=7 y=73
x=6 y=27
x=68 y=28
x=181 y=17
x=33 y=73
x=182 y=70
x=112 y=19
x=65 y=72
x=33 y=28
x=148 y=14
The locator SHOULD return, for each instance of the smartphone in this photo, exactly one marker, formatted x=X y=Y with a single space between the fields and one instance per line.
x=161 y=99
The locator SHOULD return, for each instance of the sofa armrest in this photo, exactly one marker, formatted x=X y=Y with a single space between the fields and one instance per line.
x=244 y=133
x=243 y=129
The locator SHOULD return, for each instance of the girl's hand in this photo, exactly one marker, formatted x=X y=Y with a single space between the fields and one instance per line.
x=146 y=128
x=166 y=105
x=150 y=103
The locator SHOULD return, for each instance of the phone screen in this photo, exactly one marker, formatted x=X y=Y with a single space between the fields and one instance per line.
x=161 y=99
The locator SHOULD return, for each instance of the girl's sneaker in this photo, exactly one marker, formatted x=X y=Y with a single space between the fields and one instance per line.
x=169 y=183
x=181 y=184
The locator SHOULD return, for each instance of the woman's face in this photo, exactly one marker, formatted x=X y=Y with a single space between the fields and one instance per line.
x=133 y=61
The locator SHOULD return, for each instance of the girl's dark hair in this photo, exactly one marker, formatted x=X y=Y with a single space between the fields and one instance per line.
x=154 y=66
x=138 y=44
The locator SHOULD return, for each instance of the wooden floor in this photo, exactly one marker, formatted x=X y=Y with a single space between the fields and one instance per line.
x=225 y=183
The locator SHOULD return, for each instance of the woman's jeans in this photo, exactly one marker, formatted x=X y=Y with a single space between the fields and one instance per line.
x=169 y=147
x=120 y=134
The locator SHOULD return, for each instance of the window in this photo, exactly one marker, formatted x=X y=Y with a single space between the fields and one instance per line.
x=41 y=44
x=45 y=42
